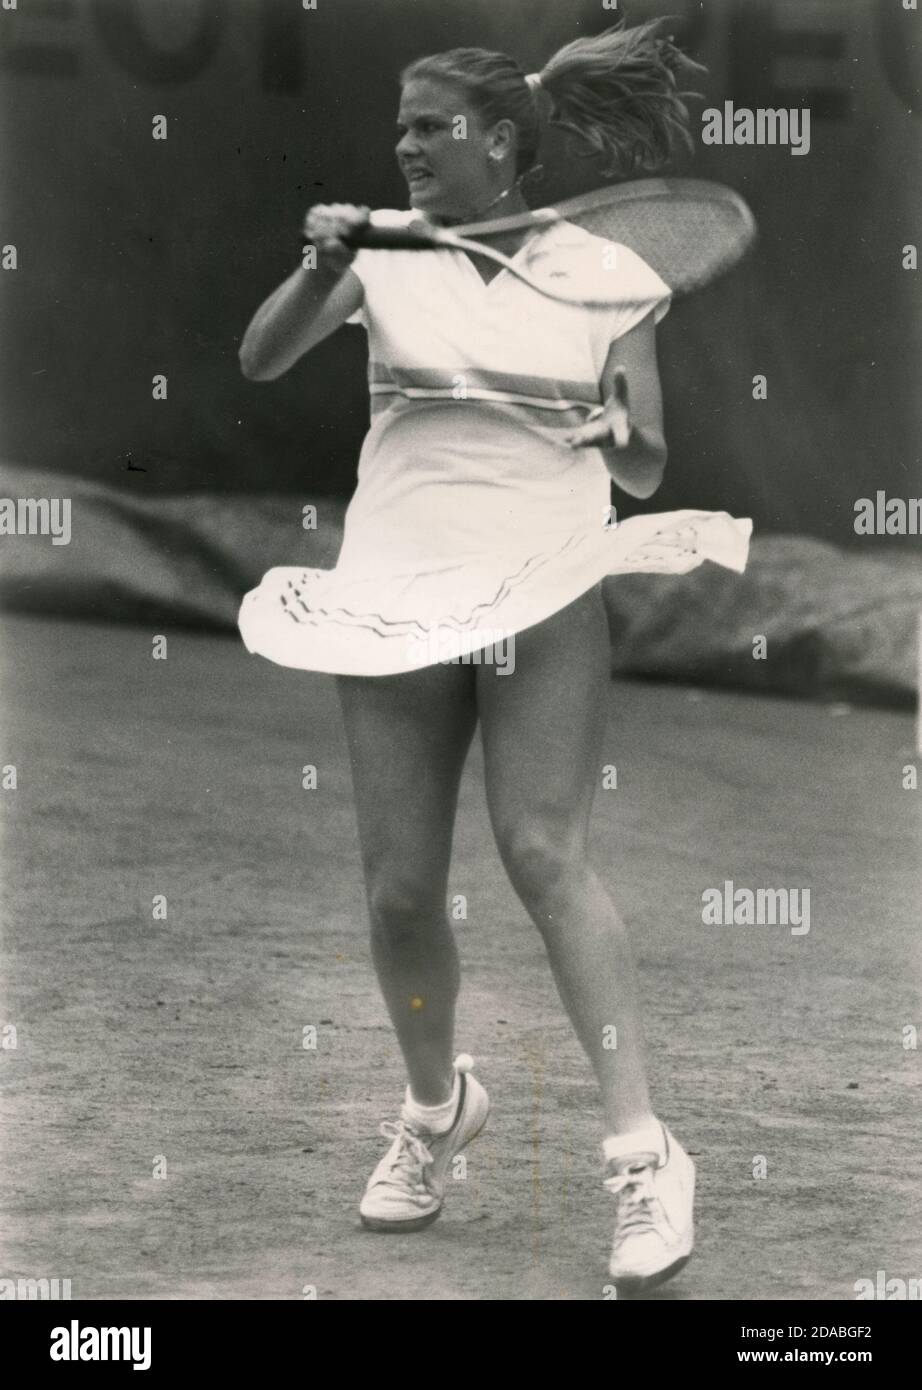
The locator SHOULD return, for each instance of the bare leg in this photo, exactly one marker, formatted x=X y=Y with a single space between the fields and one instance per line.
x=408 y=738
x=543 y=727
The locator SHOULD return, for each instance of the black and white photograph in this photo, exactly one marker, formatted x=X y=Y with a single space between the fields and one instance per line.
x=461 y=599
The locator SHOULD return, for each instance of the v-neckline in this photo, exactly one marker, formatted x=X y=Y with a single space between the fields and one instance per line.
x=501 y=270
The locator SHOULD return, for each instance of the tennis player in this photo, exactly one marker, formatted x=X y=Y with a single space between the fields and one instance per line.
x=482 y=512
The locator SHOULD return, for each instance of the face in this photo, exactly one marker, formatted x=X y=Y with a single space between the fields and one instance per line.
x=448 y=176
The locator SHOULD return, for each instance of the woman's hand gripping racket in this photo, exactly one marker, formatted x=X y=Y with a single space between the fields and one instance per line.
x=330 y=228
x=689 y=230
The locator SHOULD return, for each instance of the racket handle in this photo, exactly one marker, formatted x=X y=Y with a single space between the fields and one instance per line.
x=384 y=239
x=380 y=238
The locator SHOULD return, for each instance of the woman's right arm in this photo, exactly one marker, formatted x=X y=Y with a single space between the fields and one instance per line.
x=310 y=304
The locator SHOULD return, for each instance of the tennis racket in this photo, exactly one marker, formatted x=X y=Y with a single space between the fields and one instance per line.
x=689 y=230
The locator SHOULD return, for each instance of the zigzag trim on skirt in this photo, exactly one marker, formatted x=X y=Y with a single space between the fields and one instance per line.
x=411 y=626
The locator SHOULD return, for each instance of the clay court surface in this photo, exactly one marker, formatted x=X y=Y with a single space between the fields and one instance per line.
x=183 y=1038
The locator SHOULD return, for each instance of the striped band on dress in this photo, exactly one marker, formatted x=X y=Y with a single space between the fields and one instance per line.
x=548 y=401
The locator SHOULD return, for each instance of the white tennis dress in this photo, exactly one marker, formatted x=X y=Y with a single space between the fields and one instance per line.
x=471 y=520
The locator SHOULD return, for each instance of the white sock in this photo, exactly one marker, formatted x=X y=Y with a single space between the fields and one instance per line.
x=649 y=1139
x=435 y=1119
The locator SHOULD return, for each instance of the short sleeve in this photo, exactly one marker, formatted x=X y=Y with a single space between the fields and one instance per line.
x=361 y=268
x=367 y=264
x=638 y=291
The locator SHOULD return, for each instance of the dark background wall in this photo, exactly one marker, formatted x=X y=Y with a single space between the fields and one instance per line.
x=139 y=256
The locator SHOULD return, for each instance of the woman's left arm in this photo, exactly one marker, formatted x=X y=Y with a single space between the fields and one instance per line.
x=628 y=428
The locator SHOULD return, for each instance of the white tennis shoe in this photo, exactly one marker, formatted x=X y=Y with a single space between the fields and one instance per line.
x=654 y=1225
x=406 y=1190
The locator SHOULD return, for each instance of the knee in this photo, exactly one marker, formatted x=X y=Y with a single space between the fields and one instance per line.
x=401 y=908
x=543 y=870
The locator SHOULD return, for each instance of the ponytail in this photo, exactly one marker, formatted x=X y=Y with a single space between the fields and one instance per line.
x=618 y=93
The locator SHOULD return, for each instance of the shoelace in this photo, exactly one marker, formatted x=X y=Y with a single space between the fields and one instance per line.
x=637 y=1201
x=412 y=1157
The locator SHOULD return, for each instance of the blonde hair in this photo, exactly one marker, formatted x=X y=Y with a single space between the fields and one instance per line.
x=617 y=93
